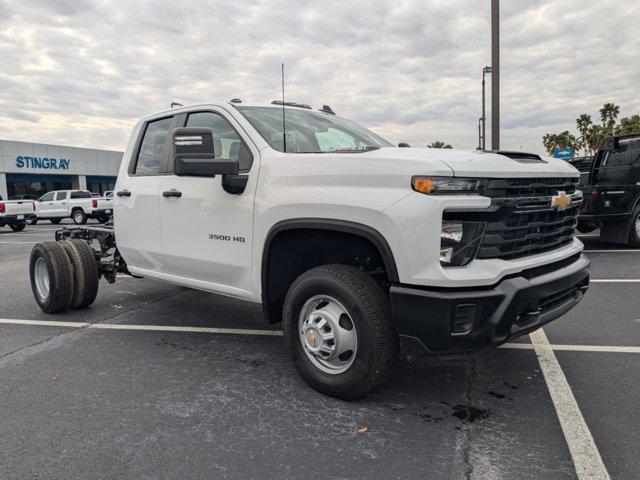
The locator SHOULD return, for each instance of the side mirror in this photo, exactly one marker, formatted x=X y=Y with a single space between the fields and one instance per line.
x=194 y=154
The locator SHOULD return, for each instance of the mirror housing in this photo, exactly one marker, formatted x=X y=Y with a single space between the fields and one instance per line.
x=194 y=154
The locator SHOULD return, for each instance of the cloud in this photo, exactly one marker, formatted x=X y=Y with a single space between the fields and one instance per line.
x=81 y=72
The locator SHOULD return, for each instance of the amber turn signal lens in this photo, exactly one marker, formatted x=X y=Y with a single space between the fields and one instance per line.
x=424 y=185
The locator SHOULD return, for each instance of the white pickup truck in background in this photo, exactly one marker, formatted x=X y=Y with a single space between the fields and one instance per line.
x=16 y=213
x=75 y=204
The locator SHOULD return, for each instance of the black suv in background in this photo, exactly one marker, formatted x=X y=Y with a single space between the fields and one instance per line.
x=611 y=187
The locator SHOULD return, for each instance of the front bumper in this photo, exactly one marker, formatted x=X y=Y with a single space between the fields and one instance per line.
x=468 y=320
x=17 y=218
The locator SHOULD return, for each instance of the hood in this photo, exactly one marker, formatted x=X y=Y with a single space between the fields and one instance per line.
x=477 y=164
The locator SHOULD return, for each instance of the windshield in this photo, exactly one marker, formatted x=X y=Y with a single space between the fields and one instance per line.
x=311 y=132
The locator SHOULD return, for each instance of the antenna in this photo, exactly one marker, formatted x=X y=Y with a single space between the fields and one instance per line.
x=284 y=127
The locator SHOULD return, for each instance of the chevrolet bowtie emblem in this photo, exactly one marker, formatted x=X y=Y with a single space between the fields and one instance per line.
x=561 y=201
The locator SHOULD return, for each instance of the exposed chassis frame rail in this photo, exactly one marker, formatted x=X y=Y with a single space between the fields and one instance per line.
x=109 y=260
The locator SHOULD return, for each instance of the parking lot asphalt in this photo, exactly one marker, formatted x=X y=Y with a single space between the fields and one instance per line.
x=136 y=386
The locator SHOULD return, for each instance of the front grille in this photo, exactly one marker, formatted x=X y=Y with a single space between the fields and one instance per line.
x=521 y=220
x=524 y=233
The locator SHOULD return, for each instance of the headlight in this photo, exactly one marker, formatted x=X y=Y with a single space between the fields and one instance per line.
x=447 y=185
x=459 y=242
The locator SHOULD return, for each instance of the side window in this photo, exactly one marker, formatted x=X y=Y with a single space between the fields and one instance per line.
x=151 y=151
x=61 y=195
x=227 y=144
x=47 y=197
x=80 y=194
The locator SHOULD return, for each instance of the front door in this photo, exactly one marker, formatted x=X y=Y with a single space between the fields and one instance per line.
x=207 y=232
x=45 y=205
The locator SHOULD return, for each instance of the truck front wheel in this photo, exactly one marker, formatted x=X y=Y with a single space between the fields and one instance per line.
x=337 y=326
x=51 y=277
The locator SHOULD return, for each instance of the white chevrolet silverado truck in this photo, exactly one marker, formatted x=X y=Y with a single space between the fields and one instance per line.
x=361 y=249
x=78 y=205
x=16 y=213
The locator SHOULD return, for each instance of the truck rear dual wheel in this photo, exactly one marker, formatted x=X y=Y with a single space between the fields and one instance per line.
x=17 y=227
x=85 y=273
x=63 y=275
x=337 y=326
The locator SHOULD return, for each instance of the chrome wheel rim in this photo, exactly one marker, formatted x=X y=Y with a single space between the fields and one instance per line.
x=41 y=277
x=327 y=334
x=638 y=226
x=77 y=217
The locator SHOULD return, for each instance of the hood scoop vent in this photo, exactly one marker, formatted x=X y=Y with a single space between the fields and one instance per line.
x=521 y=157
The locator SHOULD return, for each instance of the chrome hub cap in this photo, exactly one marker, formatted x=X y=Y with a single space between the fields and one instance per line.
x=638 y=226
x=78 y=217
x=41 y=277
x=327 y=334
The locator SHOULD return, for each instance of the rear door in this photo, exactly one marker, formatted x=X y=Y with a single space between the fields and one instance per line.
x=616 y=181
x=138 y=196
x=44 y=207
x=207 y=232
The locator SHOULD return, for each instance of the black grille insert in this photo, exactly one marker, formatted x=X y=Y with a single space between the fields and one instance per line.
x=522 y=220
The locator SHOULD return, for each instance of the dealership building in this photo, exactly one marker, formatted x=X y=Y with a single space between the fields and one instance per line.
x=32 y=169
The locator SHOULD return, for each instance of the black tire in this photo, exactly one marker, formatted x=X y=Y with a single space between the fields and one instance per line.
x=55 y=220
x=79 y=217
x=85 y=273
x=33 y=221
x=586 y=227
x=103 y=218
x=17 y=227
x=368 y=306
x=634 y=229
x=59 y=273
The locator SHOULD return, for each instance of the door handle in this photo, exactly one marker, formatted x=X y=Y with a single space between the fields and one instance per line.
x=123 y=193
x=172 y=193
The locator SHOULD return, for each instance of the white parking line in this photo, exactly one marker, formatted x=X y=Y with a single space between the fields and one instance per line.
x=575 y=348
x=248 y=331
x=155 y=328
x=583 y=449
x=614 y=280
x=24 y=243
x=612 y=251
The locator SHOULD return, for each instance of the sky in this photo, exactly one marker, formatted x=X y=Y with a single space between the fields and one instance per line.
x=80 y=72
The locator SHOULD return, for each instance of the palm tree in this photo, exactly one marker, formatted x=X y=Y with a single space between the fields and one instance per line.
x=583 y=122
x=628 y=125
x=550 y=142
x=553 y=141
x=608 y=114
x=438 y=144
x=595 y=136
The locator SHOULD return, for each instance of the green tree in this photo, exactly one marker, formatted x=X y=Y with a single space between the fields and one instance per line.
x=628 y=125
x=438 y=144
x=595 y=136
x=608 y=114
x=565 y=139
x=583 y=122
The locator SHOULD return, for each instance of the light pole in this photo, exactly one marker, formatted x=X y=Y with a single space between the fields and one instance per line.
x=495 y=74
x=480 y=133
x=485 y=70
